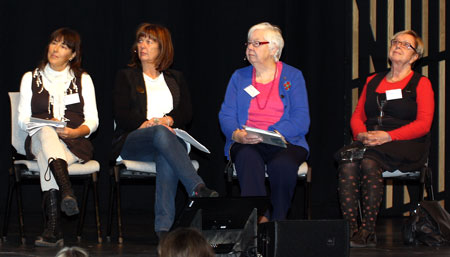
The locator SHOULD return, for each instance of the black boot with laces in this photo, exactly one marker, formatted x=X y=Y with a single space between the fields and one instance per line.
x=52 y=235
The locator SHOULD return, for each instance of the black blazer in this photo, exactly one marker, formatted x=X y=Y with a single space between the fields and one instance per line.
x=130 y=103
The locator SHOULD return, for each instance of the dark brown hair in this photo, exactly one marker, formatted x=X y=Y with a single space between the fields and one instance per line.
x=161 y=35
x=184 y=242
x=72 y=39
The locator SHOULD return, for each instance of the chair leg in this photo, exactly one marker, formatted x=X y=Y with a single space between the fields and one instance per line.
x=20 y=212
x=429 y=183
x=96 y=206
x=307 y=207
x=112 y=192
x=119 y=206
x=83 y=209
x=10 y=192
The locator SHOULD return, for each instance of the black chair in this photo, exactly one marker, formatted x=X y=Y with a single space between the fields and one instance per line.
x=27 y=172
x=423 y=177
x=129 y=172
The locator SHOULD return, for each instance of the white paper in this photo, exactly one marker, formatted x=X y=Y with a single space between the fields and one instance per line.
x=189 y=139
x=35 y=124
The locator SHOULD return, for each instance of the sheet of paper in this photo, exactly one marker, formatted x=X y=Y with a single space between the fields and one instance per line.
x=188 y=138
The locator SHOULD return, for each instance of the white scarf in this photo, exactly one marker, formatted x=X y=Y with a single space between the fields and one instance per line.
x=57 y=83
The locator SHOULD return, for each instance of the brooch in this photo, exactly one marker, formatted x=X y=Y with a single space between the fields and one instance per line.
x=287 y=85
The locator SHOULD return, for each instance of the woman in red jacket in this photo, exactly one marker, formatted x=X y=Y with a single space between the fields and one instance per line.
x=392 y=119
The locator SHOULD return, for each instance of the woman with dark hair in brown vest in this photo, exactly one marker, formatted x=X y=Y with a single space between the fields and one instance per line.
x=58 y=90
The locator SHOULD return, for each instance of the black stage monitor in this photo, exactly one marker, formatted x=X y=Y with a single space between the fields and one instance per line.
x=229 y=224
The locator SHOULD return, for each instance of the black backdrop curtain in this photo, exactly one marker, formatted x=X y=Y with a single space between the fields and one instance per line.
x=209 y=41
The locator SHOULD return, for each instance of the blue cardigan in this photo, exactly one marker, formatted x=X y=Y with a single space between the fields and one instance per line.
x=294 y=123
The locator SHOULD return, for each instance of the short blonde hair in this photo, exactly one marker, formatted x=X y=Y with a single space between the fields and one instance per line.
x=272 y=34
x=184 y=242
x=73 y=251
x=418 y=40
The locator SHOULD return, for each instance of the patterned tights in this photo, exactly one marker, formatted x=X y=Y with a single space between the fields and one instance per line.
x=360 y=182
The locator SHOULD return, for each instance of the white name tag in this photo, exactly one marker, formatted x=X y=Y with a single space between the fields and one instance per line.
x=71 y=99
x=252 y=91
x=393 y=94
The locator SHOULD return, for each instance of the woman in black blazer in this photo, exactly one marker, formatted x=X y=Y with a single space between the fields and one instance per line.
x=150 y=99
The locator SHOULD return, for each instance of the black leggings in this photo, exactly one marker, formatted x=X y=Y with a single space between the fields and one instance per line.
x=360 y=182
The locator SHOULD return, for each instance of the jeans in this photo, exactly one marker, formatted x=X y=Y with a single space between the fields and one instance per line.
x=158 y=144
x=280 y=164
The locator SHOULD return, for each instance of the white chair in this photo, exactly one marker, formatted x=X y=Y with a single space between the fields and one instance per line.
x=130 y=172
x=27 y=170
x=303 y=174
x=423 y=177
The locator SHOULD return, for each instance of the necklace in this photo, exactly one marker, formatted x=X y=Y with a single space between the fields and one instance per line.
x=270 y=91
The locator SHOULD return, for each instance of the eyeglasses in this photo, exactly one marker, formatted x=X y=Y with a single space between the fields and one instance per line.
x=256 y=43
x=404 y=44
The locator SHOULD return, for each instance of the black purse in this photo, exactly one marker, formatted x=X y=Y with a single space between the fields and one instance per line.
x=350 y=153
x=429 y=224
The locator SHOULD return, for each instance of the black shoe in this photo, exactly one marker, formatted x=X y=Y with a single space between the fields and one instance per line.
x=364 y=238
x=203 y=191
x=161 y=234
x=69 y=203
x=52 y=235
x=48 y=240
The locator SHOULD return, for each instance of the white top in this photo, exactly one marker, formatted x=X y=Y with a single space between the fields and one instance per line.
x=51 y=79
x=159 y=98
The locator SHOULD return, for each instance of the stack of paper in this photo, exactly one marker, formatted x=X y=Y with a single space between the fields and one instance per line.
x=268 y=137
x=35 y=124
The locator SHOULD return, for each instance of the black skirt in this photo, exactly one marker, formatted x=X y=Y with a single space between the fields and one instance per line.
x=403 y=155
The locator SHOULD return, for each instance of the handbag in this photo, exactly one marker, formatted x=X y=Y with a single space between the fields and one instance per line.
x=350 y=153
x=428 y=224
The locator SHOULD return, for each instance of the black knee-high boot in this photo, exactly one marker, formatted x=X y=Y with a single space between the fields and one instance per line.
x=69 y=203
x=52 y=235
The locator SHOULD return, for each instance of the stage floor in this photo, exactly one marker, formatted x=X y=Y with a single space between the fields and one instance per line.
x=139 y=240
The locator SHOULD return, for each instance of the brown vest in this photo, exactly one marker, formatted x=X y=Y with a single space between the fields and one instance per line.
x=42 y=108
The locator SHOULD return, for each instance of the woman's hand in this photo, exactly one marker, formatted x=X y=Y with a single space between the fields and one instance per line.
x=146 y=124
x=151 y=123
x=166 y=121
x=241 y=136
x=373 y=138
x=69 y=133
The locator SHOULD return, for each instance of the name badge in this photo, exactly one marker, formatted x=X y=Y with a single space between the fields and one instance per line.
x=71 y=99
x=394 y=94
x=252 y=91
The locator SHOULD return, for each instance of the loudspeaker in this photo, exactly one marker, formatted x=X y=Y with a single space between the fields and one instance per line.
x=305 y=238
x=228 y=224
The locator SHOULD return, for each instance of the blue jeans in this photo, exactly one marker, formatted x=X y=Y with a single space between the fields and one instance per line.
x=157 y=144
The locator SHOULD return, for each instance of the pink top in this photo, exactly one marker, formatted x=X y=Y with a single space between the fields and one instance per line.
x=266 y=108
